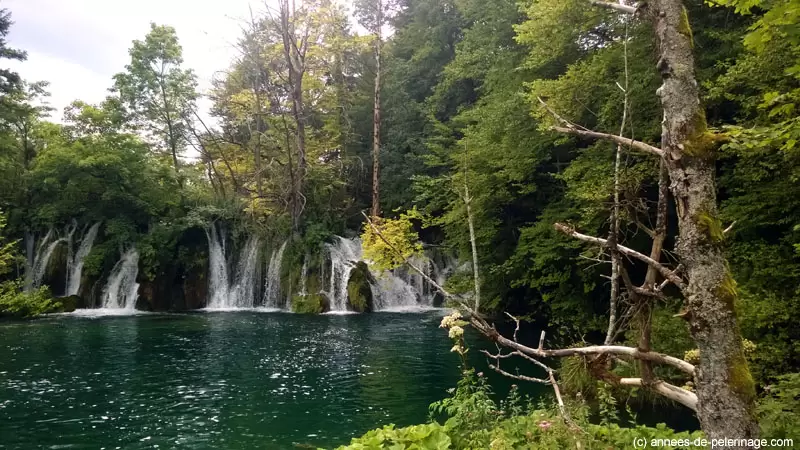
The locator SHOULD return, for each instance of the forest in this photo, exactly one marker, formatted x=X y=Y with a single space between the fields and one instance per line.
x=621 y=177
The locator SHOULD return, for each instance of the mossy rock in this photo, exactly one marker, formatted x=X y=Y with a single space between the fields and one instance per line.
x=359 y=292
x=70 y=303
x=310 y=304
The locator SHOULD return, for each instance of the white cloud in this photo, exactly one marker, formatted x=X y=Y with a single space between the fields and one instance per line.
x=78 y=45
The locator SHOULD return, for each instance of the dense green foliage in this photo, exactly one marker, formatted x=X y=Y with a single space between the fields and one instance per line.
x=13 y=301
x=475 y=421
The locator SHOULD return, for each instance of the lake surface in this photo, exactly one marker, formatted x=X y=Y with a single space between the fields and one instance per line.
x=232 y=380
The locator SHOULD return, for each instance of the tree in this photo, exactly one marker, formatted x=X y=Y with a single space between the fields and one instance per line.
x=725 y=388
x=372 y=16
x=9 y=80
x=157 y=93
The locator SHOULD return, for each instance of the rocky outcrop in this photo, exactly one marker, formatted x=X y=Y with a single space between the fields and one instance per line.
x=359 y=289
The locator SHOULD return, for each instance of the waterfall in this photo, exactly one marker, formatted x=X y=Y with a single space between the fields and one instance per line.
x=343 y=254
x=272 y=289
x=217 y=268
x=226 y=291
x=401 y=288
x=35 y=275
x=242 y=293
x=304 y=275
x=121 y=291
x=75 y=262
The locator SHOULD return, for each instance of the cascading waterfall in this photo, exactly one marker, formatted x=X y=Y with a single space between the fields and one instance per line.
x=75 y=261
x=396 y=289
x=343 y=254
x=217 y=268
x=403 y=287
x=35 y=274
x=122 y=290
x=272 y=288
x=224 y=291
x=304 y=276
x=242 y=293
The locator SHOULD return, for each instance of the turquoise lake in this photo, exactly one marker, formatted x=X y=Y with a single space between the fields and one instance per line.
x=233 y=380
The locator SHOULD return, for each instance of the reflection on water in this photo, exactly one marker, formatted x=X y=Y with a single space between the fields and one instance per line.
x=217 y=380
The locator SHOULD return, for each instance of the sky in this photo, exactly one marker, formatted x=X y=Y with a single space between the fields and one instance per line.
x=78 y=45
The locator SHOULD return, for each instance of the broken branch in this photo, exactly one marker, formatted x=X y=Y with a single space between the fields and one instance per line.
x=615 y=6
x=631 y=143
x=665 y=272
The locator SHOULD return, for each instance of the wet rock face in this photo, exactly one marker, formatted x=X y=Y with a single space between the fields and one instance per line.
x=359 y=290
x=175 y=290
x=195 y=290
x=180 y=283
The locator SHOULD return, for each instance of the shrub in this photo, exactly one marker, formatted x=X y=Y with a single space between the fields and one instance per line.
x=17 y=303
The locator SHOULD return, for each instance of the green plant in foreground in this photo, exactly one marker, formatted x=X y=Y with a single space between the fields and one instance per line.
x=17 y=303
x=473 y=420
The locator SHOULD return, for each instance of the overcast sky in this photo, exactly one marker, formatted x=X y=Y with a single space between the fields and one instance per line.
x=78 y=45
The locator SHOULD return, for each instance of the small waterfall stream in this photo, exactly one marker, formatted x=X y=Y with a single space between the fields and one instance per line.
x=217 y=268
x=226 y=291
x=35 y=273
x=75 y=261
x=122 y=290
x=304 y=276
x=272 y=288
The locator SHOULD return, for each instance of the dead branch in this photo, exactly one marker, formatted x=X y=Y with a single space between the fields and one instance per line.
x=489 y=331
x=615 y=6
x=670 y=391
x=730 y=227
x=631 y=143
x=665 y=272
x=577 y=130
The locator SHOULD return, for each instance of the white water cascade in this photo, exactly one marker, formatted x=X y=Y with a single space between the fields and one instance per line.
x=304 y=276
x=226 y=291
x=398 y=289
x=343 y=255
x=75 y=261
x=404 y=288
x=217 y=269
x=37 y=267
x=272 y=288
x=122 y=290
x=243 y=291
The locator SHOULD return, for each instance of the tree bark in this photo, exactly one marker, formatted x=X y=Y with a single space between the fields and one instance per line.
x=725 y=388
x=376 y=119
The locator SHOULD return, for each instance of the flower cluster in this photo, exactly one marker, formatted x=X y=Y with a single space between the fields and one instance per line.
x=455 y=326
x=451 y=320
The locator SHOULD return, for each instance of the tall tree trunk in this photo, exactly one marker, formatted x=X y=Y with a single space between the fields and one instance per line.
x=297 y=110
x=260 y=129
x=172 y=140
x=376 y=119
x=725 y=388
x=294 y=54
